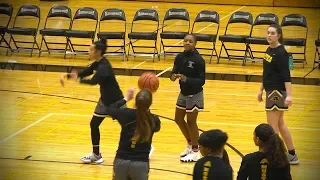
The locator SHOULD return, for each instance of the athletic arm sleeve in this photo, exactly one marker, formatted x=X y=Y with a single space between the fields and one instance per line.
x=283 y=66
x=243 y=172
x=123 y=115
x=201 y=68
x=157 y=124
x=101 y=74
x=87 y=71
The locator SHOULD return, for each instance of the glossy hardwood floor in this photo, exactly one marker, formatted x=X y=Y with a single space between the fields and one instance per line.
x=53 y=132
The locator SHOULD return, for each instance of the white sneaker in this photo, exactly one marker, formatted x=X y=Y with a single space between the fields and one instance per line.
x=186 y=151
x=191 y=157
x=92 y=158
x=151 y=151
x=293 y=159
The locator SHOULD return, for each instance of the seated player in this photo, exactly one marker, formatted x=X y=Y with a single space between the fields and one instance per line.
x=215 y=163
x=270 y=162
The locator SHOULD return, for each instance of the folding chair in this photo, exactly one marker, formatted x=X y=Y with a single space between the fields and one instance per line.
x=58 y=16
x=295 y=32
x=240 y=22
x=5 y=10
x=258 y=35
x=90 y=18
x=114 y=19
x=204 y=18
x=144 y=27
x=317 y=43
x=178 y=17
x=20 y=27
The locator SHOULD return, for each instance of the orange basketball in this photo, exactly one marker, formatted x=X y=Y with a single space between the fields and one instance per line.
x=149 y=80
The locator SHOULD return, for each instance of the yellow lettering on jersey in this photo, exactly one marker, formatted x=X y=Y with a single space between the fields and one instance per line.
x=267 y=57
x=264 y=165
x=133 y=143
x=206 y=169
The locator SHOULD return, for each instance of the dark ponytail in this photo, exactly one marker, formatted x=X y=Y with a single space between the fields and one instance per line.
x=144 y=122
x=273 y=146
x=279 y=31
x=101 y=45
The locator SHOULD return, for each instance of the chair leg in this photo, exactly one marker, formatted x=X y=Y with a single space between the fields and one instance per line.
x=65 y=51
x=40 y=46
x=34 y=42
x=129 y=50
x=220 y=54
x=211 y=52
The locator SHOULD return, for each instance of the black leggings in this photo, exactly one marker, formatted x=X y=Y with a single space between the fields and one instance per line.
x=95 y=132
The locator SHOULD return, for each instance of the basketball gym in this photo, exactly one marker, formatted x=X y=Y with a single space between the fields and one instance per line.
x=45 y=127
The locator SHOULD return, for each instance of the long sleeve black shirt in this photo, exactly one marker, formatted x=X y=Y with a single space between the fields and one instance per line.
x=193 y=66
x=254 y=168
x=109 y=88
x=127 y=119
x=276 y=69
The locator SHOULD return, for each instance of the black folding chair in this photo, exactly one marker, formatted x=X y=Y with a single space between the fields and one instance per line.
x=317 y=60
x=295 y=30
x=112 y=26
x=5 y=10
x=58 y=16
x=258 y=37
x=90 y=17
x=239 y=36
x=179 y=28
x=144 y=28
x=20 y=27
x=205 y=20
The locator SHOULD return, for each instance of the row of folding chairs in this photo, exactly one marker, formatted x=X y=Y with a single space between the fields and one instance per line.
x=148 y=31
x=317 y=53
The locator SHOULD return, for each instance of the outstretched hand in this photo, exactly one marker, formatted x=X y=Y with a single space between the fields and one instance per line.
x=130 y=94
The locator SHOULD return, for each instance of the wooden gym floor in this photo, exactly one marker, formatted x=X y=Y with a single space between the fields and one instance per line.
x=45 y=127
x=52 y=132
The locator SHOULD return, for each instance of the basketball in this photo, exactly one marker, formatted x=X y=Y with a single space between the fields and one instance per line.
x=149 y=81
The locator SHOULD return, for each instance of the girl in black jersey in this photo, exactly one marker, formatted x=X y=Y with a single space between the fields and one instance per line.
x=189 y=68
x=270 y=162
x=109 y=90
x=137 y=129
x=277 y=84
x=215 y=162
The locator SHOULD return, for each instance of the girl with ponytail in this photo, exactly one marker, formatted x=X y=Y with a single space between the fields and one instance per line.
x=137 y=129
x=109 y=93
x=270 y=162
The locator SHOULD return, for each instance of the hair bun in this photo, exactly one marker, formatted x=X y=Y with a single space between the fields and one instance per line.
x=103 y=41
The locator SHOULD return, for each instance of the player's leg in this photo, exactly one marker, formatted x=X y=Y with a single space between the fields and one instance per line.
x=121 y=169
x=139 y=170
x=179 y=119
x=194 y=105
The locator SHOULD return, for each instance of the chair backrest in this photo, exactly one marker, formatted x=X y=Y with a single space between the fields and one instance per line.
x=27 y=16
x=294 y=20
x=206 y=22
x=241 y=22
x=112 y=20
x=146 y=15
x=177 y=14
x=59 y=17
x=145 y=20
x=262 y=22
x=179 y=17
x=85 y=18
x=113 y=14
x=6 y=14
x=266 y=19
x=294 y=26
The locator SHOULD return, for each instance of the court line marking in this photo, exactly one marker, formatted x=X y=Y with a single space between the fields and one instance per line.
x=162 y=72
x=25 y=128
x=308 y=109
x=210 y=25
x=58 y=126
x=200 y=122
x=138 y=64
